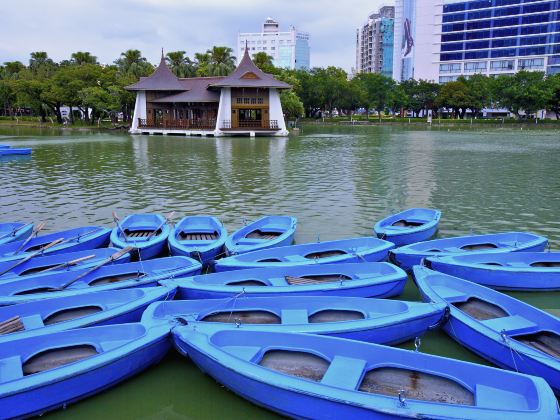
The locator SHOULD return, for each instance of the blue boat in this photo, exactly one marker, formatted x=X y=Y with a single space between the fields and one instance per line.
x=313 y=376
x=357 y=280
x=87 y=280
x=409 y=226
x=19 y=265
x=528 y=271
x=46 y=316
x=365 y=249
x=12 y=232
x=381 y=321
x=4 y=146
x=11 y=151
x=506 y=331
x=410 y=255
x=44 y=373
x=266 y=232
x=77 y=239
x=198 y=237
x=146 y=232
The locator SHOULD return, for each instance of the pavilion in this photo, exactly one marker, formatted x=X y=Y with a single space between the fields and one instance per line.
x=247 y=102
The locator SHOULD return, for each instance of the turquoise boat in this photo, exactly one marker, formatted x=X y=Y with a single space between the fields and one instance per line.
x=508 y=332
x=381 y=321
x=409 y=226
x=77 y=239
x=524 y=271
x=12 y=151
x=47 y=316
x=313 y=376
x=408 y=256
x=87 y=280
x=351 y=279
x=198 y=237
x=21 y=266
x=44 y=373
x=364 y=249
x=15 y=231
x=264 y=233
x=147 y=233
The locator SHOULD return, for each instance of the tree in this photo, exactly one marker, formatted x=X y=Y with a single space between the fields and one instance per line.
x=479 y=96
x=221 y=62
x=329 y=85
x=83 y=57
x=264 y=62
x=553 y=82
x=377 y=88
x=527 y=91
x=454 y=95
x=181 y=65
x=132 y=63
x=12 y=69
x=291 y=104
x=202 y=64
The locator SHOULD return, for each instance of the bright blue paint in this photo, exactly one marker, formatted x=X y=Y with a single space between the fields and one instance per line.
x=148 y=247
x=10 y=151
x=12 y=232
x=408 y=235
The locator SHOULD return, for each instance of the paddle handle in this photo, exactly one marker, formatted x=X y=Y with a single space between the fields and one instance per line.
x=67 y=264
x=14 y=231
x=167 y=220
x=39 y=251
x=118 y=222
x=37 y=229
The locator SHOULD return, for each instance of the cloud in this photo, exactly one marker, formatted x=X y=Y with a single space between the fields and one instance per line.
x=108 y=27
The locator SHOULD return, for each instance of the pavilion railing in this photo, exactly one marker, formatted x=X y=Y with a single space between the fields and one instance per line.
x=257 y=125
x=182 y=124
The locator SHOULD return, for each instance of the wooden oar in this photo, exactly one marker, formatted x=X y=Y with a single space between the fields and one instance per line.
x=36 y=230
x=112 y=258
x=11 y=325
x=14 y=231
x=118 y=222
x=66 y=264
x=167 y=220
x=31 y=255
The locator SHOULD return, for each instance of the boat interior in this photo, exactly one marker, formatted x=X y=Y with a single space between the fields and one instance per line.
x=325 y=254
x=546 y=264
x=346 y=372
x=546 y=341
x=141 y=233
x=479 y=247
x=71 y=313
x=408 y=223
x=480 y=309
x=263 y=234
x=54 y=358
x=198 y=235
x=316 y=279
x=288 y=316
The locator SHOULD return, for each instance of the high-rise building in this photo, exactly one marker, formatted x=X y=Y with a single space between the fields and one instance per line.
x=374 y=43
x=442 y=40
x=289 y=49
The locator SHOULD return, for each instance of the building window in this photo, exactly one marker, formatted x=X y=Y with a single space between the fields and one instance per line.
x=450 y=68
x=502 y=65
x=260 y=101
x=239 y=100
x=445 y=79
x=246 y=101
x=530 y=63
x=475 y=67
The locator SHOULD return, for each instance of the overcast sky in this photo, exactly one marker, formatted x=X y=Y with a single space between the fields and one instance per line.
x=108 y=27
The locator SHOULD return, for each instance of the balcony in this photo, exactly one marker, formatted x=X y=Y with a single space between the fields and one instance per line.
x=251 y=125
x=182 y=124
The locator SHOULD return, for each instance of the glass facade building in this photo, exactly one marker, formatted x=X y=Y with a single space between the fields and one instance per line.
x=499 y=37
x=490 y=37
x=375 y=42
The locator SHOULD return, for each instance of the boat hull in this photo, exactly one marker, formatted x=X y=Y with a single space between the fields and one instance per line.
x=10 y=151
x=22 y=233
x=408 y=235
x=203 y=251
x=43 y=396
x=239 y=242
x=147 y=246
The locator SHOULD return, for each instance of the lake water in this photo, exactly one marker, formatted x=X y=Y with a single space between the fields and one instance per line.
x=337 y=181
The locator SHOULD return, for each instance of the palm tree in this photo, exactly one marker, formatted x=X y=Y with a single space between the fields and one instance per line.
x=83 y=57
x=221 y=61
x=40 y=62
x=264 y=61
x=202 y=63
x=181 y=65
x=131 y=62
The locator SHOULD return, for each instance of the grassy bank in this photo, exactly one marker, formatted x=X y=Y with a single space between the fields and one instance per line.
x=35 y=122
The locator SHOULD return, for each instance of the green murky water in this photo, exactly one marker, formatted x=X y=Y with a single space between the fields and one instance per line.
x=337 y=181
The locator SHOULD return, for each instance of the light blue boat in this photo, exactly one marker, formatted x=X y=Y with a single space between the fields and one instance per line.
x=350 y=279
x=198 y=237
x=381 y=321
x=409 y=226
x=266 y=232
x=506 y=331
x=146 y=232
x=13 y=232
x=87 y=280
x=47 y=316
x=44 y=373
x=313 y=376
x=364 y=249
x=19 y=266
x=410 y=255
x=77 y=239
x=530 y=271
x=11 y=151
x=4 y=146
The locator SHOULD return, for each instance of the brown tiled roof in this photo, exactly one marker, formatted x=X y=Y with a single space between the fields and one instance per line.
x=249 y=75
x=161 y=79
x=196 y=90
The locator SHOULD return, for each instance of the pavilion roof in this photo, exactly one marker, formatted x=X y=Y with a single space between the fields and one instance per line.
x=195 y=90
x=247 y=74
x=161 y=79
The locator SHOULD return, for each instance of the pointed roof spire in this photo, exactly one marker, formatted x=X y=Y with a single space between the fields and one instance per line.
x=161 y=79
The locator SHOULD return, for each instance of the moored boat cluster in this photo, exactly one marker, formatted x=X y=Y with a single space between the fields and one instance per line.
x=85 y=308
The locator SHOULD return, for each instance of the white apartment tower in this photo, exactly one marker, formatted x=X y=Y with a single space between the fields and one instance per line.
x=374 y=43
x=289 y=49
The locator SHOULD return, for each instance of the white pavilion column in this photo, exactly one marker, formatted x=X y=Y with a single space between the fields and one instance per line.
x=275 y=111
x=139 y=110
x=224 y=111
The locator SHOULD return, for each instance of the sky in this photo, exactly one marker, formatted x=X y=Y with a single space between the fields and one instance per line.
x=108 y=27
